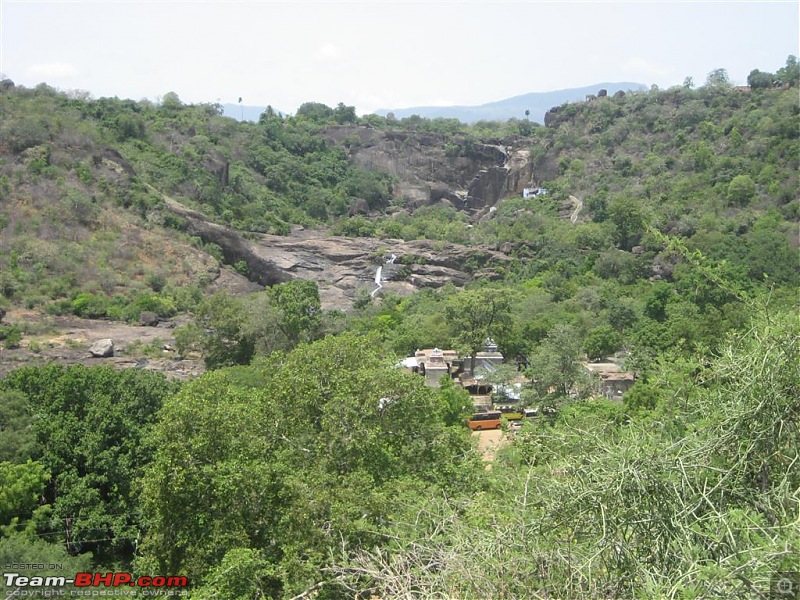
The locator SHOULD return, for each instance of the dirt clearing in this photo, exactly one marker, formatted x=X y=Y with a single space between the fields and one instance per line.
x=489 y=442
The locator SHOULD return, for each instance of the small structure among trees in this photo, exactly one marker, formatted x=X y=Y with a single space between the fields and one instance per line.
x=613 y=381
x=434 y=363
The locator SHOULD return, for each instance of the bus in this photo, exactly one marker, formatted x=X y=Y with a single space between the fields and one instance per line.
x=485 y=420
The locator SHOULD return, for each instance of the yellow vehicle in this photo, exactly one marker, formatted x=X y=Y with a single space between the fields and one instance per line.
x=485 y=420
x=510 y=413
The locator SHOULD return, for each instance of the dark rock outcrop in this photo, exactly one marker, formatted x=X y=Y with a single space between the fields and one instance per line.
x=148 y=319
x=488 y=186
x=359 y=207
x=431 y=167
x=234 y=247
x=215 y=163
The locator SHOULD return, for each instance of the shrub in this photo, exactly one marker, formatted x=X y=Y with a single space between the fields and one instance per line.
x=147 y=301
x=90 y=306
x=741 y=190
x=156 y=281
x=10 y=336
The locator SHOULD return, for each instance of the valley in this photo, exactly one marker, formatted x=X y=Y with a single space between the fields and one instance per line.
x=631 y=263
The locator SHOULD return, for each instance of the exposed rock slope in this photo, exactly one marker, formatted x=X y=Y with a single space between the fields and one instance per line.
x=344 y=267
x=432 y=167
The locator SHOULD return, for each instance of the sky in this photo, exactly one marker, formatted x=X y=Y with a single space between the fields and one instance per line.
x=382 y=54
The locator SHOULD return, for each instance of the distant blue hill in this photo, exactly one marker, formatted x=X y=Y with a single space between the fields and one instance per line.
x=538 y=103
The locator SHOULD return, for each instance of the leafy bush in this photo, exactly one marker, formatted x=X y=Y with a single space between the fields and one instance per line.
x=10 y=335
x=150 y=302
x=90 y=306
x=156 y=281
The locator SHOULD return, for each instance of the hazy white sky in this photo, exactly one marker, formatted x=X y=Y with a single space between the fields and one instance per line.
x=382 y=54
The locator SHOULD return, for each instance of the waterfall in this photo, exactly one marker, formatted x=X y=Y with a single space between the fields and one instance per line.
x=377 y=281
x=379 y=275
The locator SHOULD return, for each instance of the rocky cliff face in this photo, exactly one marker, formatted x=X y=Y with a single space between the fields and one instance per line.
x=345 y=267
x=429 y=168
x=432 y=167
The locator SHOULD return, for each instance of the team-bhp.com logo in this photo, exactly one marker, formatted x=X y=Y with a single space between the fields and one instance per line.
x=87 y=580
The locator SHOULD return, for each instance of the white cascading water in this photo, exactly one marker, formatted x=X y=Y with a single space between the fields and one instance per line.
x=379 y=274
x=377 y=281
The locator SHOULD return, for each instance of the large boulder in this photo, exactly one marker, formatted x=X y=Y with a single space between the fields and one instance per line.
x=148 y=319
x=359 y=207
x=102 y=348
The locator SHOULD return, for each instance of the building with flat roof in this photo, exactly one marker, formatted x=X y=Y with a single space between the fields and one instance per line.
x=614 y=382
x=433 y=363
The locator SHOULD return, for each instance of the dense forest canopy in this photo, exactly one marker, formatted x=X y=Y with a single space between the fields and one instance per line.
x=304 y=461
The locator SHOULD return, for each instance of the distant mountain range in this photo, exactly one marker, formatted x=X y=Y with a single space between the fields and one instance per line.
x=538 y=103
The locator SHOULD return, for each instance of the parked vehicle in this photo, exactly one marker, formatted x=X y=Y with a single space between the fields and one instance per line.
x=510 y=413
x=485 y=420
x=532 y=413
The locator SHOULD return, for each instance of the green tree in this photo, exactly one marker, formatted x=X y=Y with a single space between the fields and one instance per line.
x=719 y=79
x=601 y=342
x=628 y=218
x=476 y=315
x=21 y=489
x=555 y=366
x=790 y=73
x=760 y=80
x=455 y=402
x=315 y=111
x=622 y=313
x=17 y=434
x=93 y=426
x=129 y=126
x=272 y=467
x=655 y=301
x=171 y=101
x=242 y=574
x=300 y=310
x=344 y=114
x=219 y=332
x=741 y=190
x=229 y=330
x=768 y=255
x=641 y=397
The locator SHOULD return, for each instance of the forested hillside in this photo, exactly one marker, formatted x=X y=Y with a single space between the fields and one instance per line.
x=305 y=463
